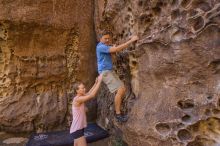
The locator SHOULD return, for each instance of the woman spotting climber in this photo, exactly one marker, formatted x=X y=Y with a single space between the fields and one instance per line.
x=78 y=110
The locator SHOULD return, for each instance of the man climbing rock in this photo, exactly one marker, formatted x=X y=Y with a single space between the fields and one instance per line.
x=105 y=66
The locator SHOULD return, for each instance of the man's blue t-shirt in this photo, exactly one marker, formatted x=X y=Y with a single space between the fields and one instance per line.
x=104 y=59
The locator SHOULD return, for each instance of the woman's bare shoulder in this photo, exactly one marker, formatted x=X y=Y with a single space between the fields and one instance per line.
x=75 y=102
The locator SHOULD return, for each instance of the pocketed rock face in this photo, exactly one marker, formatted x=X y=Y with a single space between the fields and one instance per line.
x=174 y=71
x=42 y=46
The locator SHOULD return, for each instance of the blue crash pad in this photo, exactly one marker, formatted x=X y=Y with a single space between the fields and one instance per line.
x=62 y=138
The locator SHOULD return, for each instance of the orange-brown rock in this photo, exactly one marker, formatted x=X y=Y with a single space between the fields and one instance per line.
x=173 y=70
x=45 y=46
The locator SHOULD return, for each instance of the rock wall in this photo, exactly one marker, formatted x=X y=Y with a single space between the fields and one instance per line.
x=173 y=71
x=45 y=46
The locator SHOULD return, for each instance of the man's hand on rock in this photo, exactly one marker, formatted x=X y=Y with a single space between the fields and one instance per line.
x=134 y=38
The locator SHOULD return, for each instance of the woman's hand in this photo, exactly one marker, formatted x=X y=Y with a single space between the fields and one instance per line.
x=99 y=78
x=96 y=80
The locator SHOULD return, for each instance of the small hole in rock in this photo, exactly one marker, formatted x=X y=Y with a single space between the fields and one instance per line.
x=185 y=3
x=186 y=118
x=175 y=14
x=140 y=3
x=198 y=24
x=185 y=104
x=156 y=10
x=209 y=97
x=127 y=18
x=184 y=135
x=216 y=111
x=160 y=4
x=163 y=128
x=134 y=63
x=207 y=112
x=142 y=17
x=192 y=13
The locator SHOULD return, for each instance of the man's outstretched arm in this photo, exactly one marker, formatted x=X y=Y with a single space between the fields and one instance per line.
x=123 y=46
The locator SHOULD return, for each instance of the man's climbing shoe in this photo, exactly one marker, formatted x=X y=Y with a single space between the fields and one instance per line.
x=121 y=118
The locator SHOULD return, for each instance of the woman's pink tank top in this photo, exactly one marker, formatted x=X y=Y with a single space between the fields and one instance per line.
x=79 y=117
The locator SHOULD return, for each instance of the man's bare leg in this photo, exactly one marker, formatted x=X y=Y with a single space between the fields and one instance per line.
x=118 y=99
